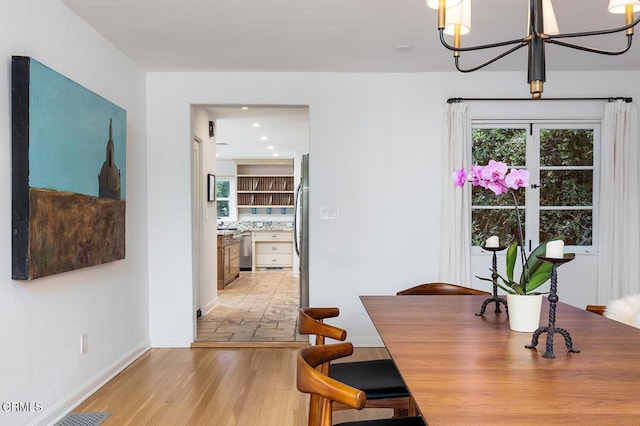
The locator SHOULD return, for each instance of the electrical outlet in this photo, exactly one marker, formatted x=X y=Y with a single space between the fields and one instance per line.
x=83 y=344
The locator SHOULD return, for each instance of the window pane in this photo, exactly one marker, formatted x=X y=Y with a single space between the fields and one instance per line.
x=223 y=208
x=574 y=226
x=500 y=222
x=484 y=197
x=222 y=189
x=566 y=187
x=566 y=147
x=506 y=145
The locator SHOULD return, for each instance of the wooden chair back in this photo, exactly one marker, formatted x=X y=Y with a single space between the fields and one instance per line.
x=310 y=321
x=317 y=383
x=441 y=289
x=596 y=309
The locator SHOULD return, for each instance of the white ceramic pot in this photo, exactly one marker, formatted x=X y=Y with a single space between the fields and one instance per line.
x=524 y=312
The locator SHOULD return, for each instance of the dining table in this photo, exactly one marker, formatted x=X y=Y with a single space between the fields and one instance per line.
x=465 y=369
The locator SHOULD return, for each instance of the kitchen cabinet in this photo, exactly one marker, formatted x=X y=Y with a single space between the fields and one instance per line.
x=265 y=191
x=272 y=249
x=228 y=259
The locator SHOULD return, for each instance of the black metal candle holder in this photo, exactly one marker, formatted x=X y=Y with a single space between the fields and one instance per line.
x=553 y=298
x=494 y=278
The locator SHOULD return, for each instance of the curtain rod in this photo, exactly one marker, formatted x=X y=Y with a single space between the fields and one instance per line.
x=610 y=99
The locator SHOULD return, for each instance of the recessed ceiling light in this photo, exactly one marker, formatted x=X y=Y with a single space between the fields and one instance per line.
x=264 y=138
x=270 y=147
x=275 y=154
x=256 y=124
x=245 y=107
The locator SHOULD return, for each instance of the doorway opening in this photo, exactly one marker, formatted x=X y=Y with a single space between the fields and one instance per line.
x=258 y=150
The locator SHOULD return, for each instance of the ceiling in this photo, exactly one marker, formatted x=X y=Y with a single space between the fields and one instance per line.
x=327 y=36
x=330 y=35
x=286 y=129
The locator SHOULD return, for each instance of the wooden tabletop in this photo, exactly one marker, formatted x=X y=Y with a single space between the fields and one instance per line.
x=462 y=369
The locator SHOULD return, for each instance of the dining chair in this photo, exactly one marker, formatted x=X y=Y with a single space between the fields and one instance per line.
x=441 y=289
x=379 y=379
x=312 y=380
x=596 y=309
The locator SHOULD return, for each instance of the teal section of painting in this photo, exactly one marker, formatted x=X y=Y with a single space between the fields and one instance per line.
x=68 y=134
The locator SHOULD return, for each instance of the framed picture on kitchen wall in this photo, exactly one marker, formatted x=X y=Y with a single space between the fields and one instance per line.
x=211 y=188
x=68 y=174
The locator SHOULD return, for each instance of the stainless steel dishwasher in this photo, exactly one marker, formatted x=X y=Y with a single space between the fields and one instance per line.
x=246 y=262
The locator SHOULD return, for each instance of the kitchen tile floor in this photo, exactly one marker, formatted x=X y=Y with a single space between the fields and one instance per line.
x=257 y=307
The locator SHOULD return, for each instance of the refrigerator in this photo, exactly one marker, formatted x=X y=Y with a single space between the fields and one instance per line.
x=301 y=229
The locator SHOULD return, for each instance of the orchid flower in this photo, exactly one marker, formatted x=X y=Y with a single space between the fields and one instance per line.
x=517 y=179
x=475 y=175
x=494 y=171
x=498 y=187
x=459 y=177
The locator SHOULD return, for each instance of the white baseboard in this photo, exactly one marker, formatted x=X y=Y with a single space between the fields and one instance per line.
x=209 y=306
x=82 y=392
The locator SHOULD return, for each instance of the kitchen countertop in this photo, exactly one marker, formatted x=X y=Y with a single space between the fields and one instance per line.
x=238 y=227
x=264 y=228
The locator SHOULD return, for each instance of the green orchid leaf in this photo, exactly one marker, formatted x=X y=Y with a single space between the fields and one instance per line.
x=533 y=262
x=505 y=288
x=540 y=276
x=512 y=253
x=539 y=271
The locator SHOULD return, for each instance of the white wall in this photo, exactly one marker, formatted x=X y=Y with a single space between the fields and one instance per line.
x=226 y=167
x=42 y=320
x=375 y=145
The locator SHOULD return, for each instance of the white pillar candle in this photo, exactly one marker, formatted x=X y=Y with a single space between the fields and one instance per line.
x=555 y=249
x=492 y=241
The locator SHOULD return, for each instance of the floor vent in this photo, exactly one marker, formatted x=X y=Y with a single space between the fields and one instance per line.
x=83 y=419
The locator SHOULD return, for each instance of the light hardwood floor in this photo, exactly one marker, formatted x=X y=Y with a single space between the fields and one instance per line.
x=207 y=386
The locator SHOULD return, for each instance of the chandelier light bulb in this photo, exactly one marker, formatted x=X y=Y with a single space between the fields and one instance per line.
x=459 y=15
x=619 y=6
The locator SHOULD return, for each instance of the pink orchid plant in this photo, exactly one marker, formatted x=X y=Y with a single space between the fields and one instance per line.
x=494 y=177
x=497 y=177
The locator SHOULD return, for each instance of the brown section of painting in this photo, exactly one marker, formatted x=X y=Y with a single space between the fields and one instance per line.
x=70 y=231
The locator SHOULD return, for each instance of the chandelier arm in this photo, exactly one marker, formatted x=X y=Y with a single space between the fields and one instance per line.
x=523 y=41
x=490 y=61
x=593 y=50
x=592 y=33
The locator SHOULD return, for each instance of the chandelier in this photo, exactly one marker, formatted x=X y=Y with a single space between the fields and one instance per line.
x=454 y=18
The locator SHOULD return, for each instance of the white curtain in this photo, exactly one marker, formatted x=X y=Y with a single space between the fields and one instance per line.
x=455 y=238
x=619 y=219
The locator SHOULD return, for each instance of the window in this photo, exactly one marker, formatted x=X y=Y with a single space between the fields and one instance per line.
x=223 y=197
x=561 y=158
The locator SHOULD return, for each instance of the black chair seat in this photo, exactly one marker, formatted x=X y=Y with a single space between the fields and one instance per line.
x=376 y=378
x=396 y=421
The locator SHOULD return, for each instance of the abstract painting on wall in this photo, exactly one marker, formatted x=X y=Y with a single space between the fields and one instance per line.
x=68 y=174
